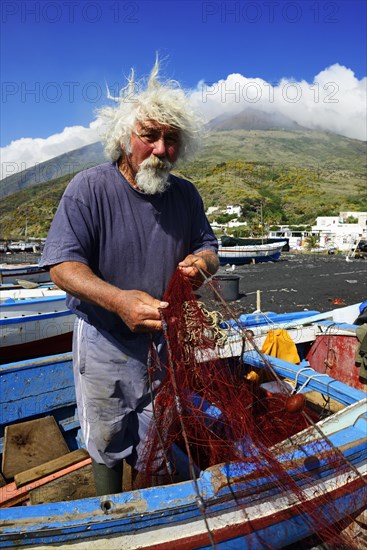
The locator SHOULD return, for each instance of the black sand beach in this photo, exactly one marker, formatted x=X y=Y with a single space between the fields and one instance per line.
x=298 y=282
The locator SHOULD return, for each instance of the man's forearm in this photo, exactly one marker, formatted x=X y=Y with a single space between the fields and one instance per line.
x=138 y=310
x=79 y=280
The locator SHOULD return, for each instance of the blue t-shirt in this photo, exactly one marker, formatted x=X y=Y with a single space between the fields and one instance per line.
x=129 y=239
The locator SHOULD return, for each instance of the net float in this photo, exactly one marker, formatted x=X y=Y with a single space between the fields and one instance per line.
x=295 y=403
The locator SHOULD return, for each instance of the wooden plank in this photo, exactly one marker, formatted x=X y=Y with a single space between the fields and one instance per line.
x=50 y=467
x=2 y=480
x=29 y=444
x=127 y=477
x=72 y=486
x=11 y=495
x=315 y=398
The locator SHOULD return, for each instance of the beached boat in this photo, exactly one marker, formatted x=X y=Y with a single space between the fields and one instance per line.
x=28 y=333
x=36 y=300
x=10 y=273
x=325 y=341
x=229 y=505
x=227 y=240
x=242 y=254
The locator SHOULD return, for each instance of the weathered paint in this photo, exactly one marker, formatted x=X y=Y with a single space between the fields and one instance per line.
x=335 y=354
x=37 y=387
x=30 y=335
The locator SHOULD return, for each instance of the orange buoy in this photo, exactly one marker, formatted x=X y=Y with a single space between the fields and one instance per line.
x=295 y=403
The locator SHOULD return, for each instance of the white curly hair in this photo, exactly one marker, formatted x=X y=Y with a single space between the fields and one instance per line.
x=165 y=103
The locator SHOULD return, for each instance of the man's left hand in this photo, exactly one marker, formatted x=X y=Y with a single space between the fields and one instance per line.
x=199 y=266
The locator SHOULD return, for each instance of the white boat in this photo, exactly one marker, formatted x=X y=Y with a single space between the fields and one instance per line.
x=10 y=273
x=242 y=254
x=36 y=300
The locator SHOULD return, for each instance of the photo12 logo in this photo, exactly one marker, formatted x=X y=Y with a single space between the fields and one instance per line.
x=269 y=12
x=68 y=91
x=69 y=12
x=255 y=91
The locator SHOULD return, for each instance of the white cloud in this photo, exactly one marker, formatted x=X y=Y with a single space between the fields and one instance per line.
x=335 y=101
x=27 y=152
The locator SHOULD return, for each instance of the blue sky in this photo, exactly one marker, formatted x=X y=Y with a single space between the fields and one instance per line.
x=57 y=55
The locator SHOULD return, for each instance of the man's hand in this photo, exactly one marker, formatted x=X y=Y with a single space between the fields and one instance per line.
x=140 y=311
x=199 y=266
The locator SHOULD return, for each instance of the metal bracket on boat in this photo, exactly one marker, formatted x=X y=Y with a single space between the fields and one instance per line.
x=311 y=377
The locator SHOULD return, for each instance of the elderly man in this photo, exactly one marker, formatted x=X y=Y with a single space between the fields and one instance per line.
x=121 y=230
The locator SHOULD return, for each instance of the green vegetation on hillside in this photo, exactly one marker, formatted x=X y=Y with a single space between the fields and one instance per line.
x=291 y=194
x=31 y=209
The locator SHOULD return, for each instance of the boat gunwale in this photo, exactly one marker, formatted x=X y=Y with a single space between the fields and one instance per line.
x=44 y=316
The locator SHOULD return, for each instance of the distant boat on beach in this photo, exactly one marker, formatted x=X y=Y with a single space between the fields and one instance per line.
x=238 y=254
x=10 y=273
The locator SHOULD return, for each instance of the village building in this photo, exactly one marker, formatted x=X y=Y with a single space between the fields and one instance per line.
x=342 y=232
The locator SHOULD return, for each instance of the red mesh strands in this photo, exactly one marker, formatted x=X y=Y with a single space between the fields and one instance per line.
x=209 y=411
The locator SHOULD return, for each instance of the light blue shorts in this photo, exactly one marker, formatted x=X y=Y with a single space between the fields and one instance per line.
x=113 y=394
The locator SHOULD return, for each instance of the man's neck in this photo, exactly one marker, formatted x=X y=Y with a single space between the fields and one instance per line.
x=127 y=171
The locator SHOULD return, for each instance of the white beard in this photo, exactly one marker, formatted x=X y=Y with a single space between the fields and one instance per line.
x=152 y=176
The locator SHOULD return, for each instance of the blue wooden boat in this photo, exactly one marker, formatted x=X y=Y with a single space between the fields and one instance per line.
x=229 y=506
x=326 y=341
x=34 y=322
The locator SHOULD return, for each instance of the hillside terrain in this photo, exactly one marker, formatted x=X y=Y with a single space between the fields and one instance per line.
x=296 y=175
x=66 y=164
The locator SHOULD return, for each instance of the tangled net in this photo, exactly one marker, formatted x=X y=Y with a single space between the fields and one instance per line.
x=213 y=411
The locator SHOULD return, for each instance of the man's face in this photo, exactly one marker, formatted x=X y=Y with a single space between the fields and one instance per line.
x=154 y=150
x=153 y=139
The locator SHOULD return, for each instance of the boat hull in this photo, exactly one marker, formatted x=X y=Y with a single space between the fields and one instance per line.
x=9 y=274
x=16 y=302
x=239 y=255
x=33 y=335
x=269 y=525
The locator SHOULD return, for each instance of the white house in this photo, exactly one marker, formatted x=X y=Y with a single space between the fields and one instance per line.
x=212 y=209
x=334 y=231
x=233 y=209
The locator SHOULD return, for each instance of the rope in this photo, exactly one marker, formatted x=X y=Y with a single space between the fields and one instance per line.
x=199 y=499
x=154 y=416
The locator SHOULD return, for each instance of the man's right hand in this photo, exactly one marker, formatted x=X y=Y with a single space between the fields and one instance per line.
x=140 y=311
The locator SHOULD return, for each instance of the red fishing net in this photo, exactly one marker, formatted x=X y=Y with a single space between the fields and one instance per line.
x=212 y=410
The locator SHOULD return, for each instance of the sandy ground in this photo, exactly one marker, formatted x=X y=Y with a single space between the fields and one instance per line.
x=297 y=282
